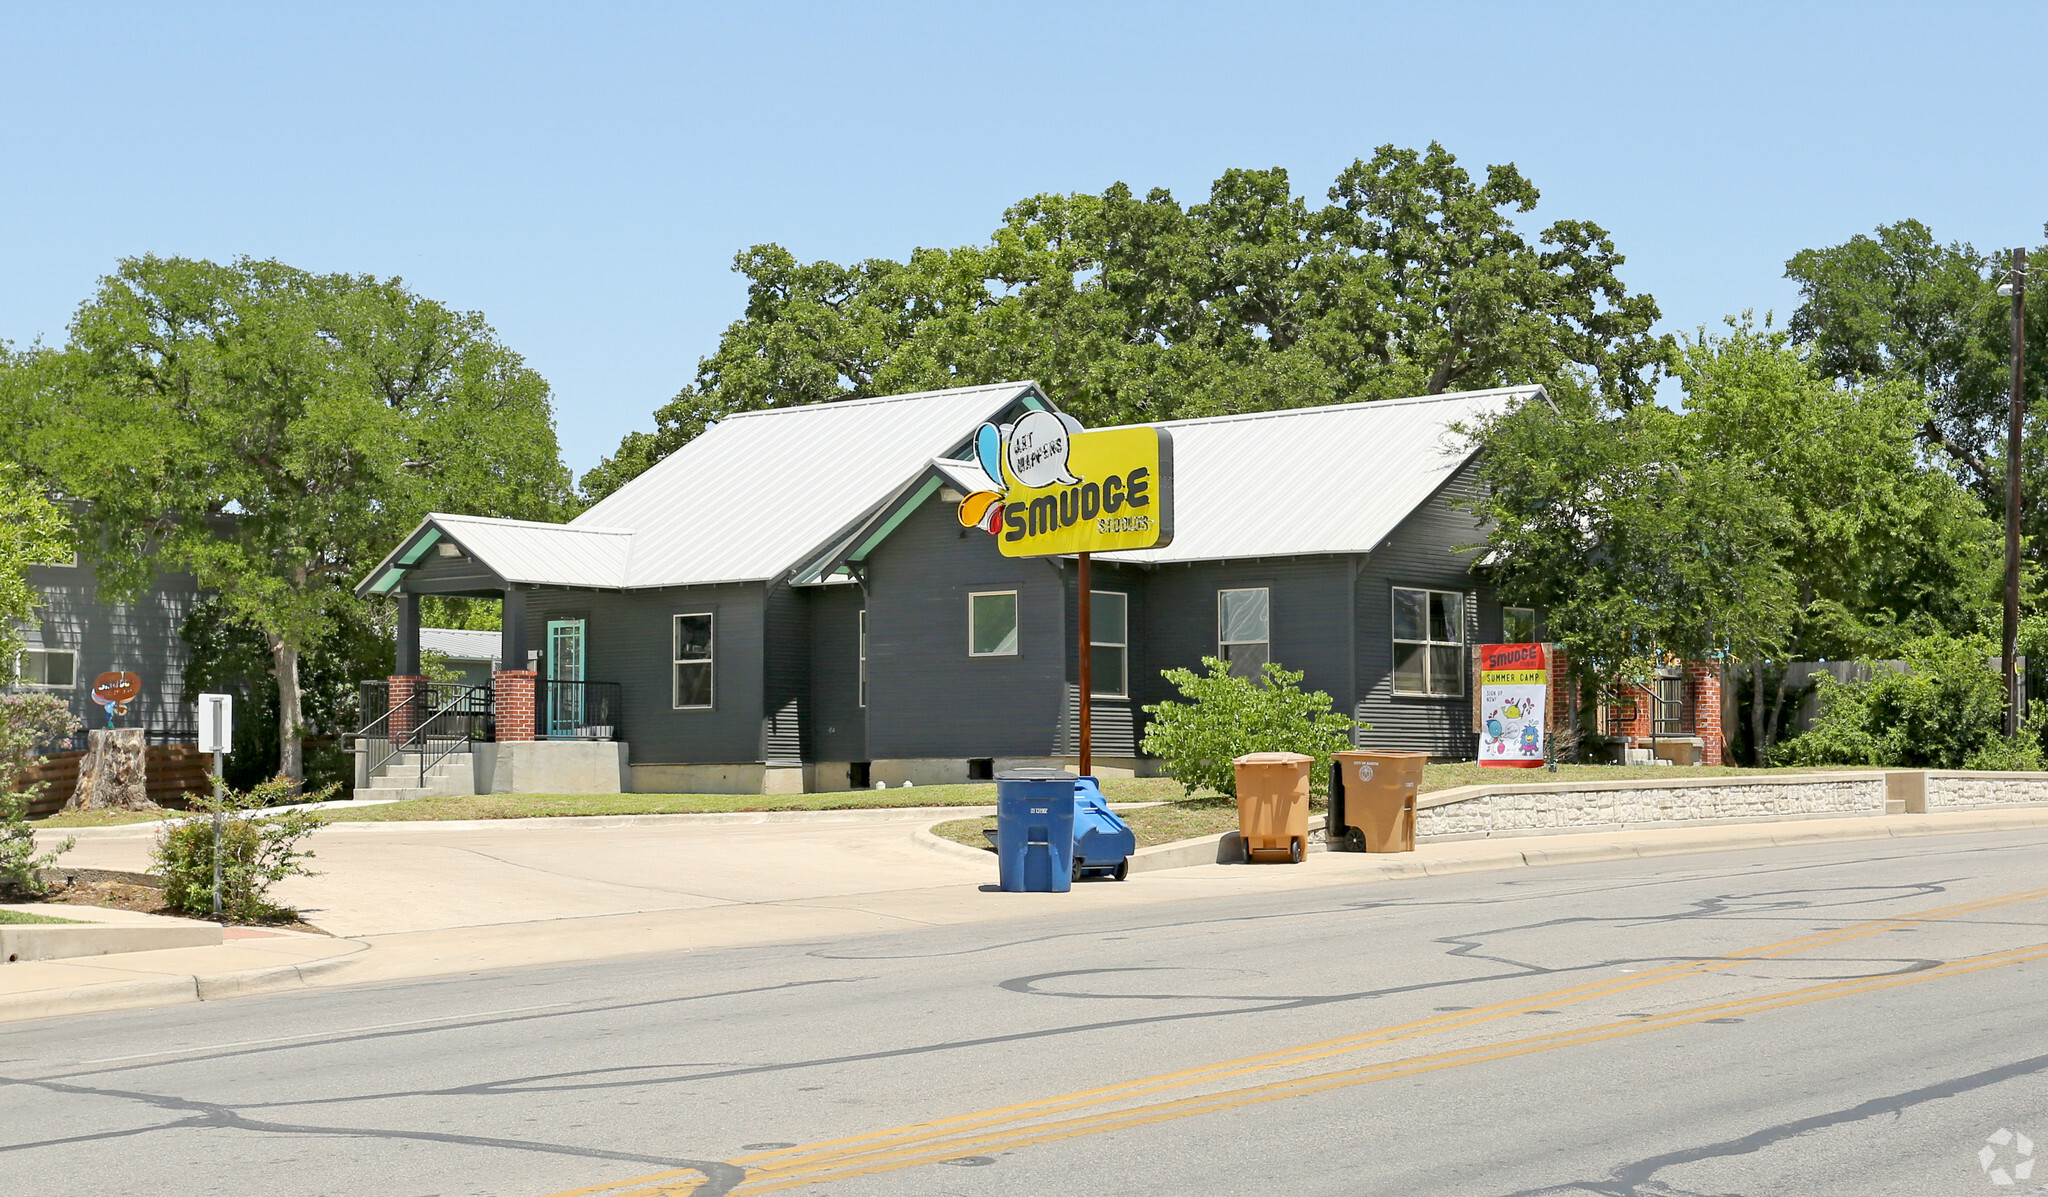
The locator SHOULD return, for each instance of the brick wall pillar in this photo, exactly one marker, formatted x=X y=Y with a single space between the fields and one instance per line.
x=1705 y=677
x=512 y=694
x=403 y=717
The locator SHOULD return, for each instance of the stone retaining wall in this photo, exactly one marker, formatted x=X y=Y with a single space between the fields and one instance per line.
x=1471 y=812
x=1957 y=791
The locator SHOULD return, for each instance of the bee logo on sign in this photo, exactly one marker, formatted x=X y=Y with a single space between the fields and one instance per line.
x=1060 y=489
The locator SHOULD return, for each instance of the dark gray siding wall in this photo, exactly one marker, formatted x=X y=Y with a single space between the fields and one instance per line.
x=1115 y=724
x=926 y=696
x=785 y=715
x=628 y=639
x=1309 y=621
x=1419 y=553
x=839 y=727
x=436 y=574
x=141 y=637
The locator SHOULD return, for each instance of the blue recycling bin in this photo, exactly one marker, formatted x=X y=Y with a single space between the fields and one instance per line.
x=1035 y=830
x=1103 y=843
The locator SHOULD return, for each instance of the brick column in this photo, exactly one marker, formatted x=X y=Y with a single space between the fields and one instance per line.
x=403 y=687
x=1705 y=677
x=512 y=693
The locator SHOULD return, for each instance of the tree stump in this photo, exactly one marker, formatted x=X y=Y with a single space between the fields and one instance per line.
x=111 y=774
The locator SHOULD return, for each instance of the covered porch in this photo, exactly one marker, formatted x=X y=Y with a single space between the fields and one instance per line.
x=540 y=725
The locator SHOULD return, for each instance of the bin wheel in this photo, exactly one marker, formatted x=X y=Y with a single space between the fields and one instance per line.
x=1123 y=869
x=1294 y=850
x=1354 y=838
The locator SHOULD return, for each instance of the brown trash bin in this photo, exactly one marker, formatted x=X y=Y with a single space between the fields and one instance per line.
x=1272 y=803
x=1372 y=800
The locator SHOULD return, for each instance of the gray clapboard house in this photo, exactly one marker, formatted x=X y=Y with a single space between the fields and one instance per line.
x=789 y=601
x=77 y=636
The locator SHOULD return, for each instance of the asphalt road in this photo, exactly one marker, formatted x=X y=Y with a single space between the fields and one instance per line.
x=1851 y=1018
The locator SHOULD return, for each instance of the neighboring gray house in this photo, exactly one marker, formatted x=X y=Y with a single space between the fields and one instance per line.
x=472 y=656
x=789 y=602
x=78 y=637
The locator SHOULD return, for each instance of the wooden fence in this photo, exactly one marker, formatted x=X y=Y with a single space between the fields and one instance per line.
x=169 y=773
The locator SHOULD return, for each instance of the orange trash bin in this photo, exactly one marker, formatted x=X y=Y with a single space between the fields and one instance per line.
x=1272 y=803
x=1372 y=799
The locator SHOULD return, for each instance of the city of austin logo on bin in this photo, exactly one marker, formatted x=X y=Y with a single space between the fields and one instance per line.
x=1055 y=488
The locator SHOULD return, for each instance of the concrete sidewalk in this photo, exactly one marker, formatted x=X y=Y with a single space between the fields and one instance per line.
x=423 y=899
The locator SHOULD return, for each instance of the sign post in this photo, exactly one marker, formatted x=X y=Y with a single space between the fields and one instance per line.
x=216 y=735
x=1055 y=489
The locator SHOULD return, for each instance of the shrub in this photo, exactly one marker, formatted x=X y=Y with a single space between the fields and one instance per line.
x=1944 y=712
x=1227 y=716
x=27 y=722
x=257 y=850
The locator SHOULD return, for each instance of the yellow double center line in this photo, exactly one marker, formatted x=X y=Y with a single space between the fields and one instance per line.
x=1039 y=1121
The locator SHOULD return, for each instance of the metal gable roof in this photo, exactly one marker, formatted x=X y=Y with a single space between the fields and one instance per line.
x=1335 y=479
x=758 y=492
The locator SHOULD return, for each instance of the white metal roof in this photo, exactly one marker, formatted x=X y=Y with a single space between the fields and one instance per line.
x=757 y=492
x=551 y=554
x=461 y=644
x=1335 y=479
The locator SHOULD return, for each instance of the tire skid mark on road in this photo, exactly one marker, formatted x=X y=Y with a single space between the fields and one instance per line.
x=1023 y=1124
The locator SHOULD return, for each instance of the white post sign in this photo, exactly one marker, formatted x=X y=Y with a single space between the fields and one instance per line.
x=217 y=736
x=217 y=723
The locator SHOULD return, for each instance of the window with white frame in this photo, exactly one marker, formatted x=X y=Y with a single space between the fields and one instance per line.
x=1109 y=627
x=992 y=624
x=692 y=660
x=56 y=668
x=1429 y=642
x=1244 y=630
x=863 y=657
x=1518 y=625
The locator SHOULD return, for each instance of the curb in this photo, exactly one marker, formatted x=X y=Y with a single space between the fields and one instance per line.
x=149 y=992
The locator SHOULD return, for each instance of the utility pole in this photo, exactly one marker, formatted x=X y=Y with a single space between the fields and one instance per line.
x=2017 y=288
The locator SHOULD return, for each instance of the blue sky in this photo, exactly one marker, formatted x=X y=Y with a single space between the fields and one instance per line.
x=583 y=174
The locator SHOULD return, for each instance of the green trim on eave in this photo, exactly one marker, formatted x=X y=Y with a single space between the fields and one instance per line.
x=413 y=554
x=930 y=487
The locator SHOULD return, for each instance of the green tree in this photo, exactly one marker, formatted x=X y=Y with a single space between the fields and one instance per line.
x=1778 y=515
x=274 y=431
x=1944 y=710
x=1413 y=278
x=32 y=530
x=1227 y=716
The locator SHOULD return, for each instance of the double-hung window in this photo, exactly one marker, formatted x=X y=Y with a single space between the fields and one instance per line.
x=992 y=624
x=1244 y=630
x=692 y=660
x=1429 y=642
x=1518 y=625
x=56 y=668
x=1109 y=641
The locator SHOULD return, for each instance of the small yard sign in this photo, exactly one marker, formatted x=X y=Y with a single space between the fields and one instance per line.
x=1514 y=694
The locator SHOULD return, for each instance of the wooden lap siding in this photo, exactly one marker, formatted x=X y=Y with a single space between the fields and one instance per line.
x=838 y=725
x=926 y=697
x=1418 y=554
x=628 y=639
x=144 y=637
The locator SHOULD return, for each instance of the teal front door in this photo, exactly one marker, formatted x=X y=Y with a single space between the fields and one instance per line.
x=565 y=678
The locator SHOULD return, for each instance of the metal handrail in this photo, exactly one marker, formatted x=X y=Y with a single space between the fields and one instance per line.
x=398 y=747
x=467 y=740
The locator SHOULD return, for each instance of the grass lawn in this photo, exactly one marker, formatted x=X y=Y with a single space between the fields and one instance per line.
x=97 y=818
x=17 y=916
x=533 y=806
x=1190 y=818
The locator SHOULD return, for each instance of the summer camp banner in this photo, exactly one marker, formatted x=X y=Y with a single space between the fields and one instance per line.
x=1514 y=687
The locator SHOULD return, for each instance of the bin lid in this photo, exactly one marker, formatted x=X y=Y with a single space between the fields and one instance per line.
x=1360 y=754
x=1036 y=774
x=1273 y=758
